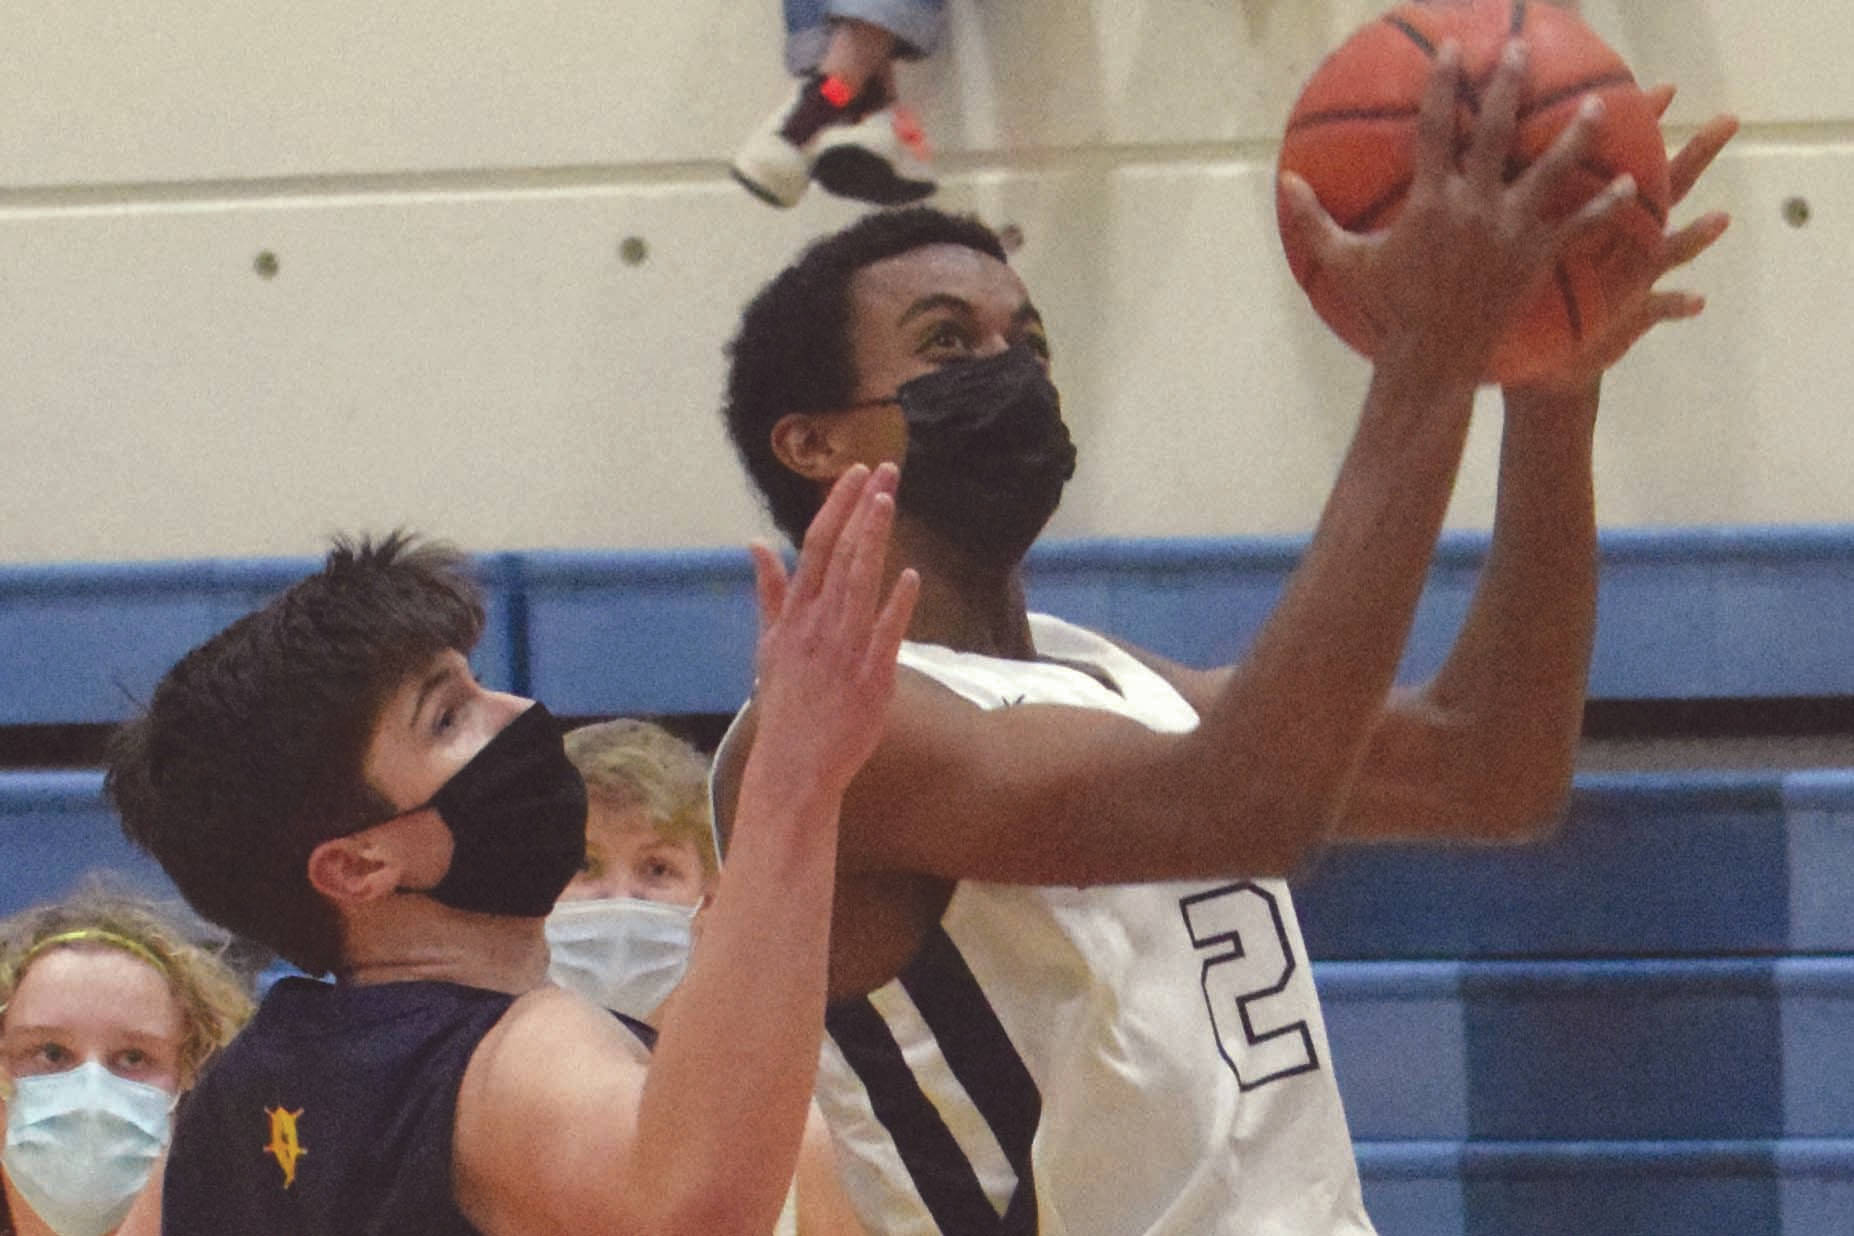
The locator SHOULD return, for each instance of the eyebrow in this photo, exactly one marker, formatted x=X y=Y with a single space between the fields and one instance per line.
x=930 y=302
x=1026 y=313
x=137 y=1037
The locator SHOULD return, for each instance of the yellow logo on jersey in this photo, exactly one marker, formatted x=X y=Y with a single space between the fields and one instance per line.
x=284 y=1146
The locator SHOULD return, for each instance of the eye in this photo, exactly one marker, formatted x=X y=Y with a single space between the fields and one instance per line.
x=51 y=1058
x=1037 y=342
x=662 y=868
x=946 y=336
x=590 y=867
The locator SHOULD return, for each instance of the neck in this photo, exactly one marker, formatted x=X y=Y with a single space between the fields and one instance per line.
x=412 y=938
x=964 y=605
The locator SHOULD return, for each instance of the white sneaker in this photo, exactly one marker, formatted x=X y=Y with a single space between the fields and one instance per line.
x=770 y=165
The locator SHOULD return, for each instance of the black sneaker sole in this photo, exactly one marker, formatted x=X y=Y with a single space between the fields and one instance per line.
x=849 y=171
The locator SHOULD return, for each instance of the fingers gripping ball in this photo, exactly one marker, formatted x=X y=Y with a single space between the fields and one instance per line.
x=1352 y=138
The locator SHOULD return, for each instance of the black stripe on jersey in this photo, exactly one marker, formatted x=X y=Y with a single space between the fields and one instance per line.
x=976 y=1048
x=939 y=1169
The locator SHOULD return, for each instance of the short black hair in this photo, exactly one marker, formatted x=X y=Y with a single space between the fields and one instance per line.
x=792 y=351
x=251 y=751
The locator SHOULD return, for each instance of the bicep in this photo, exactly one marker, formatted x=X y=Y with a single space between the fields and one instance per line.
x=1430 y=773
x=1032 y=794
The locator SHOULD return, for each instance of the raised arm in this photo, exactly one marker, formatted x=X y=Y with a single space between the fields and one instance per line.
x=1485 y=749
x=1050 y=795
x=706 y=1140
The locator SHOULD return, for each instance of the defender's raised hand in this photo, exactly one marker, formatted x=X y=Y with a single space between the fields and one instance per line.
x=826 y=655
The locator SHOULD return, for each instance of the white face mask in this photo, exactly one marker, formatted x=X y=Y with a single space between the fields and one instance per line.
x=620 y=952
x=80 y=1145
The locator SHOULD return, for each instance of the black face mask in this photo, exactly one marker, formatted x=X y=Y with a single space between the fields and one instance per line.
x=517 y=815
x=988 y=453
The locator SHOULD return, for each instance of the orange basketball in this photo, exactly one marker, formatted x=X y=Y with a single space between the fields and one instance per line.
x=1352 y=137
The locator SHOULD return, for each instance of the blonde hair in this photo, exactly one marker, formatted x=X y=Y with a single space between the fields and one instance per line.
x=214 y=1003
x=632 y=763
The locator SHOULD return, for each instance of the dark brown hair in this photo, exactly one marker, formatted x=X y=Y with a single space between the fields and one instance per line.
x=250 y=752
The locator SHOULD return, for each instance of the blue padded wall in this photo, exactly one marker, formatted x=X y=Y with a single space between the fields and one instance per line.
x=1686 y=613
x=639 y=633
x=86 y=644
x=55 y=830
x=1644 y=1026
x=1644 y=864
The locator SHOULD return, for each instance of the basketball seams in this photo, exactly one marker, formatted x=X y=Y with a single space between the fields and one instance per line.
x=1367 y=218
x=1332 y=144
x=1344 y=114
x=1403 y=27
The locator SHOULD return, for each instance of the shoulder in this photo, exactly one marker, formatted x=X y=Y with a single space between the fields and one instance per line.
x=546 y=1033
x=550 y=1095
x=551 y=1056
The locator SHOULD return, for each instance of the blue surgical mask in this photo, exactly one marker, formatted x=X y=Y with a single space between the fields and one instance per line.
x=622 y=953
x=80 y=1145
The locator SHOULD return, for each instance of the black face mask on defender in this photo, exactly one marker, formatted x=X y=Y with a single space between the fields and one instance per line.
x=517 y=817
x=988 y=453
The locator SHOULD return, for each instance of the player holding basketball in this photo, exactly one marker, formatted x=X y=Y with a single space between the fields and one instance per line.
x=1069 y=994
x=327 y=777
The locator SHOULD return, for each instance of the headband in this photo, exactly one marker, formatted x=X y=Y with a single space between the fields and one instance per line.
x=94 y=935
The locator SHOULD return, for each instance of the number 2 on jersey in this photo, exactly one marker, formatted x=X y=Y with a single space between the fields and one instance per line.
x=1254 y=963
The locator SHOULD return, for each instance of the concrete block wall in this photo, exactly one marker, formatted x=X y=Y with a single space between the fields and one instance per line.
x=275 y=272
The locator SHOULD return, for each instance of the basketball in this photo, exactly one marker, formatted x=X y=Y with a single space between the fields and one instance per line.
x=1352 y=138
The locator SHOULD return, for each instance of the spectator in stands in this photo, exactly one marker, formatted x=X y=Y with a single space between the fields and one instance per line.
x=107 y=1013
x=842 y=125
x=327 y=777
x=622 y=933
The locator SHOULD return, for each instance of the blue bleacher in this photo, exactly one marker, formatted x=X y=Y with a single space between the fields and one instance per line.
x=1683 y=614
x=1641 y=1026
x=86 y=643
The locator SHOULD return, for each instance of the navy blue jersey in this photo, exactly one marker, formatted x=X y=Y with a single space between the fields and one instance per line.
x=331 y=1114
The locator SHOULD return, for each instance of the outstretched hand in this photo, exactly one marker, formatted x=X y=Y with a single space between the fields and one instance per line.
x=1630 y=273
x=826 y=654
x=1468 y=248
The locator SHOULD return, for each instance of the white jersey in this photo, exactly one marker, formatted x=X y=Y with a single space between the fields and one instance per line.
x=1092 y=1061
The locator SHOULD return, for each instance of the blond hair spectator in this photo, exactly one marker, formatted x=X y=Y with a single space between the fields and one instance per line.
x=624 y=929
x=108 y=1012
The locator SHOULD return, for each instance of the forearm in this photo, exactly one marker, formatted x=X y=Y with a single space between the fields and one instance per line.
x=750 y=1010
x=1294 y=719
x=1511 y=691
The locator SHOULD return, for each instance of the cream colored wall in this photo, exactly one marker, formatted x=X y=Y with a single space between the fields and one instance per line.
x=451 y=339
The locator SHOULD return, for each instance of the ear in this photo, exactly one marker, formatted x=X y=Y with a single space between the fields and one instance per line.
x=353 y=870
x=814 y=445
